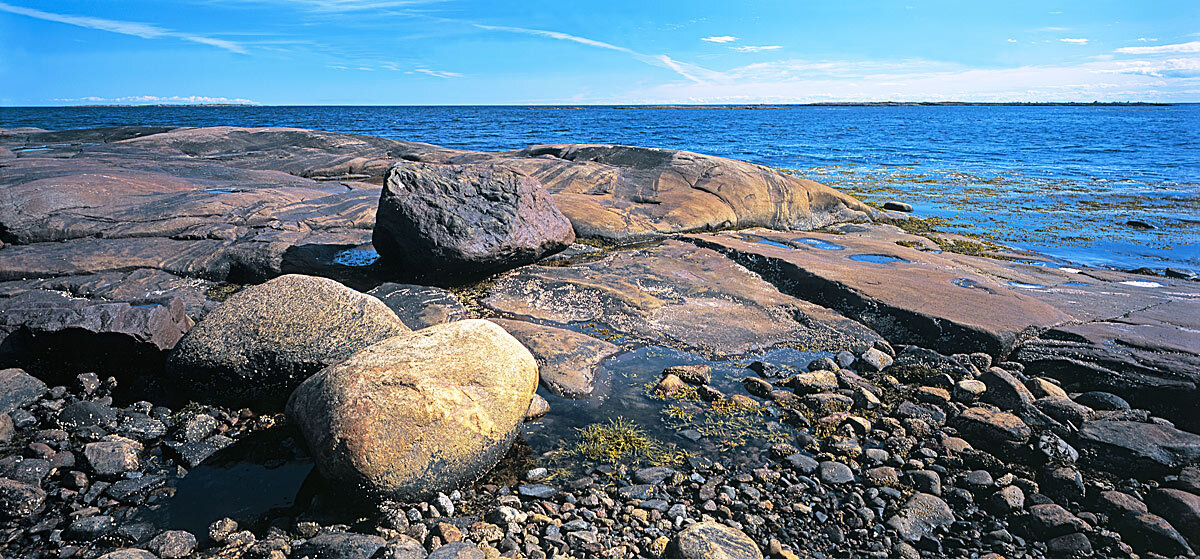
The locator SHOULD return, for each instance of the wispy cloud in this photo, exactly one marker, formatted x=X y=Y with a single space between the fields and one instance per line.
x=1074 y=41
x=756 y=49
x=1191 y=47
x=692 y=72
x=143 y=30
x=1147 y=39
x=1055 y=29
x=720 y=39
x=1012 y=40
x=438 y=73
x=342 y=6
x=153 y=99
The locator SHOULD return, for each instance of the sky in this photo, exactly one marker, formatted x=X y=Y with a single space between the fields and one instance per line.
x=495 y=52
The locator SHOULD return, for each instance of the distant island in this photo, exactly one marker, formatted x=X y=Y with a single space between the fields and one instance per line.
x=897 y=104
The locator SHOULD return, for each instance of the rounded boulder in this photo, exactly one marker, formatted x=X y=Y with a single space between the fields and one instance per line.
x=418 y=413
x=266 y=339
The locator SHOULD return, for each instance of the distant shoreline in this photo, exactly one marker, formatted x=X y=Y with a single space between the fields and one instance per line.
x=744 y=106
x=895 y=104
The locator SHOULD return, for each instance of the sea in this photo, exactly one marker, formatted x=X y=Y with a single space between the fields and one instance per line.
x=1111 y=186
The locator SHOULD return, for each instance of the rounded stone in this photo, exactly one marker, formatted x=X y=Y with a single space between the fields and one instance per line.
x=267 y=339
x=419 y=413
x=710 y=540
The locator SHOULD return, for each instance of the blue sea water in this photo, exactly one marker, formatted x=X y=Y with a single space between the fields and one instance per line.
x=1061 y=180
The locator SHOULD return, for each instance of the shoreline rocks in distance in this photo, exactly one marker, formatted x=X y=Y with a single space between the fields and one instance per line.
x=417 y=413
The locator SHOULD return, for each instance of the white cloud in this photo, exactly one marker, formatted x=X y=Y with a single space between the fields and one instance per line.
x=1191 y=47
x=143 y=30
x=438 y=73
x=1012 y=40
x=692 y=72
x=1146 y=39
x=1055 y=29
x=155 y=99
x=720 y=39
x=756 y=49
x=1074 y=41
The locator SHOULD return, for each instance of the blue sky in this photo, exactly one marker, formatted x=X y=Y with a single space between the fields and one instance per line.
x=611 y=52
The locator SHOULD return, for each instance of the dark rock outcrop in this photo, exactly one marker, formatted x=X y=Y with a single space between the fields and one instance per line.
x=455 y=222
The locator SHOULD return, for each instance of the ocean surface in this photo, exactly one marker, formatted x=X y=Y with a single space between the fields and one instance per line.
x=1065 y=181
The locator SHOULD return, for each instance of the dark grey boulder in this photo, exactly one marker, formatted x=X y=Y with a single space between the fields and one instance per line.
x=420 y=306
x=19 y=499
x=452 y=222
x=267 y=339
x=339 y=546
x=18 y=389
x=921 y=516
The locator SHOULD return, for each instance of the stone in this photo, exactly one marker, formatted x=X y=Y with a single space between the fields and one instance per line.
x=1104 y=401
x=895 y=206
x=1008 y=499
x=1149 y=532
x=538 y=408
x=691 y=374
x=1044 y=388
x=418 y=413
x=757 y=386
x=814 y=382
x=7 y=430
x=457 y=550
x=402 y=547
x=567 y=360
x=18 y=499
x=86 y=413
x=266 y=339
x=1051 y=520
x=1140 y=449
x=1064 y=410
x=1005 y=390
x=654 y=475
x=18 y=389
x=1118 y=503
x=668 y=386
x=172 y=544
x=710 y=540
x=90 y=528
x=920 y=516
x=925 y=481
x=537 y=491
x=113 y=457
x=983 y=425
x=420 y=306
x=1069 y=545
x=1180 y=508
x=875 y=360
x=129 y=554
x=835 y=472
x=673 y=294
x=802 y=463
x=338 y=546
x=885 y=476
x=448 y=222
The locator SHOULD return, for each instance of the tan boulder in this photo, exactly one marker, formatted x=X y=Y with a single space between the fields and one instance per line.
x=418 y=413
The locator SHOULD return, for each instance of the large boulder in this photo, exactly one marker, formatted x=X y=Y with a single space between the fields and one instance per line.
x=710 y=540
x=267 y=339
x=418 y=413
x=446 y=222
x=1138 y=449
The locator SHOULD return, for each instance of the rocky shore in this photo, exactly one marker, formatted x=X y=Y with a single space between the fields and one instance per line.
x=282 y=343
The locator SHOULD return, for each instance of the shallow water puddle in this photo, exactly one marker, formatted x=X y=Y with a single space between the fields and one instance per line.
x=773 y=243
x=876 y=258
x=356 y=257
x=970 y=284
x=1021 y=285
x=818 y=243
x=1137 y=283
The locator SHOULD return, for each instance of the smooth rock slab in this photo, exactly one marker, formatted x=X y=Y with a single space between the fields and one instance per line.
x=419 y=413
x=567 y=360
x=339 y=546
x=675 y=294
x=454 y=222
x=1139 y=449
x=710 y=540
x=265 y=340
